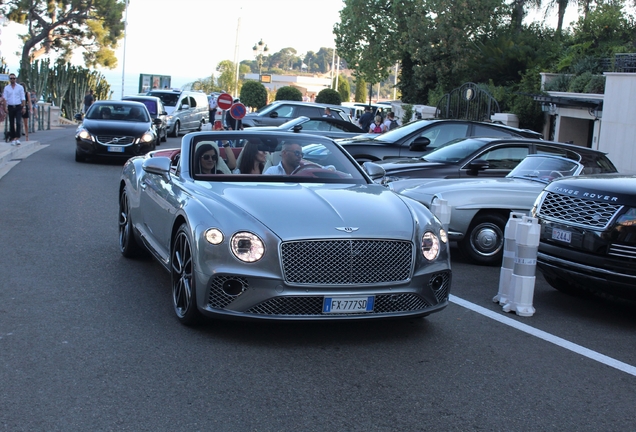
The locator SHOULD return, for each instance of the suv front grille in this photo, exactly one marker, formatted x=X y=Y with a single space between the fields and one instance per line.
x=346 y=262
x=622 y=251
x=577 y=211
x=115 y=140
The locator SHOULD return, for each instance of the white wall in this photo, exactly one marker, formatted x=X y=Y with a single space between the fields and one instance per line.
x=618 y=128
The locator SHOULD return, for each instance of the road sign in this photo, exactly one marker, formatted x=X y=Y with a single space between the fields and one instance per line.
x=237 y=111
x=224 y=101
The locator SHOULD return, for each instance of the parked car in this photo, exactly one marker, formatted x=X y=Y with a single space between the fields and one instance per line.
x=299 y=247
x=483 y=157
x=187 y=110
x=324 y=126
x=156 y=110
x=417 y=138
x=588 y=235
x=115 y=129
x=279 y=112
x=480 y=208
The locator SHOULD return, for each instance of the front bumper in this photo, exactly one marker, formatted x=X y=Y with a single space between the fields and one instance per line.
x=92 y=148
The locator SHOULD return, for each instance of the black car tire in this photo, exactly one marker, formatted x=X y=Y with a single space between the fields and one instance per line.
x=182 y=276
x=175 y=131
x=79 y=157
x=128 y=245
x=164 y=137
x=484 y=241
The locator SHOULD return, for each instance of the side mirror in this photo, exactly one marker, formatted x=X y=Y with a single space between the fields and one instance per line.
x=157 y=121
x=184 y=107
x=477 y=165
x=419 y=144
x=374 y=170
x=159 y=165
x=274 y=115
x=297 y=128
x=78 y=116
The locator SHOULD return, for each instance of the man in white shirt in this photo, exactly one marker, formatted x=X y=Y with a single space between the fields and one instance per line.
x=16 y=105
x=212 y=106
x=290 y=157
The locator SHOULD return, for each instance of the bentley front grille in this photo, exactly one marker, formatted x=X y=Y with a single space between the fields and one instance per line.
x=347 y=262
x=577 y=211
x=312 y=306
x=115 y=140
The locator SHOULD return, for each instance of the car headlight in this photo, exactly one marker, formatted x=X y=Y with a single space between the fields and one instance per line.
x=628 y=218
x=443 y=236
x=84 y=134
x=214 y=236
x=247 y=247
x=430 y=246
x=147 y=137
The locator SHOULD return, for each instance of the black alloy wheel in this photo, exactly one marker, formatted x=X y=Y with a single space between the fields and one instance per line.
x=182 y=275
x=128 y=245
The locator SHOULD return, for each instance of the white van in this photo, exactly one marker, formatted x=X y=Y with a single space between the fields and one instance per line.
x=187 y=110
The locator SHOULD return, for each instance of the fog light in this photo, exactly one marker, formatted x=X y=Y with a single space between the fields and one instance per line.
x=437 y=283
x=232 y=287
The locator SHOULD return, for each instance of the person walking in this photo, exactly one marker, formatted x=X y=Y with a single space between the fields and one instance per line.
x=14 y=95
x=25 y=115
x=88 y=100
x=213 y=104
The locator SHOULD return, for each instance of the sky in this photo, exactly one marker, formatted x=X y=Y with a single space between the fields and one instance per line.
x=186 y=39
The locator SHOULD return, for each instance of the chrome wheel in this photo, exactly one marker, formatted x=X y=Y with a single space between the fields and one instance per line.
x=484 y=240
x=175 y=132
x=183 y=291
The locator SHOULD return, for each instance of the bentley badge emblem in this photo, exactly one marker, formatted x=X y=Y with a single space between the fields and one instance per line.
x=347 y=229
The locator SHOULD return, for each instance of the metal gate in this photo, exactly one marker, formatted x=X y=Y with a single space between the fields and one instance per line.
x=468 y=102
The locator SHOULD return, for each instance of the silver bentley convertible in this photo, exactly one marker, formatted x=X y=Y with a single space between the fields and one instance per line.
x=305 y=235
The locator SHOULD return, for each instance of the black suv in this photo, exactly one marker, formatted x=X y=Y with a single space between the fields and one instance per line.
x=417 y=138
x=588 y=234
x=279 y=112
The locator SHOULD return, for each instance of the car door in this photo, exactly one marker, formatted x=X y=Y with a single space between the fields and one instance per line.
x=438 y=134
x=159 y=204
x=501 y=160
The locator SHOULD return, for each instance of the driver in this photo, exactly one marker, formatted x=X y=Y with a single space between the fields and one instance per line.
x=291 y=154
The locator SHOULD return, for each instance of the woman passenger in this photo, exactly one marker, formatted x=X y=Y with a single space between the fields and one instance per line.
x=206 y=160
x=252 y=160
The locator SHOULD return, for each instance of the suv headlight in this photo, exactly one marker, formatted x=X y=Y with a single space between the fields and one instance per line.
x=628 y=218
x=430 y=246
x=147 y=137
x=247 y=247
x=84 y=134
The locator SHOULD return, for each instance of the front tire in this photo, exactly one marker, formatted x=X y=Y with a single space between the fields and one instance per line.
x=164 y=136
x=182 y=276
x=484 y=241
x=175 y=131
x=128 y=245
x=79 y=157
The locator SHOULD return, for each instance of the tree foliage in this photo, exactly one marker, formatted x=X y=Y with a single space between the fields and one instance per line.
x=253 y=94
x=328 y=96
x=343 y=88
x=361 y=90
x=62 y=26
x=289 y=93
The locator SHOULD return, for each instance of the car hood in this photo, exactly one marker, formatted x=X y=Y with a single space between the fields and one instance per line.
x=169 y=109
x=406 y=164
x=305 y=210
x=469 y=192
x=114 y=127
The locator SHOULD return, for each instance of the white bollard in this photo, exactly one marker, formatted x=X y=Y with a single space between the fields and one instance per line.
x=523 y=275
x=442 y=211
x=508 y=262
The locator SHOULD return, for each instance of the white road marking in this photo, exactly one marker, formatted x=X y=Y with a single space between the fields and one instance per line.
x=601 y=358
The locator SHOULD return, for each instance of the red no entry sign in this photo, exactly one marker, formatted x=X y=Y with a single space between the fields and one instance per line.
x=237 y=111
x=224 y=101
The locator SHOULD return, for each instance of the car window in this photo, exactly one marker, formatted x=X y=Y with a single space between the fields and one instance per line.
x=504 y=157
x=596 y=164
x=310 y=111
x=150 y=104
x=193 y=102
x=313 y=125
x=168 y=99
x=489 y=131
x=454 y=151
x=442 y=133
x=285 y=111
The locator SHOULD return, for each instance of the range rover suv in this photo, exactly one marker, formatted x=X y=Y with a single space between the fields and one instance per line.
x=588 y=235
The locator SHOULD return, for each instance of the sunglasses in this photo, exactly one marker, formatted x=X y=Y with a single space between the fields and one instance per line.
x=208 y=157
x=12 y=79
x=296 y=153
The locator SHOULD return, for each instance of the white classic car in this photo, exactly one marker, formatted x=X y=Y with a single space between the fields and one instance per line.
x=480 y=207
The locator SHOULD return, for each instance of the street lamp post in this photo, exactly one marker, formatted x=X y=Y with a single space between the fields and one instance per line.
x=260 y=48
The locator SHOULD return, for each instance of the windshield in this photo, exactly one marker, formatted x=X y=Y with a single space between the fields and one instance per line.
x=277 y=156
x=168 y=99
x=545 y=168
x=398 y=133
x=454 y=151
x=117 y=112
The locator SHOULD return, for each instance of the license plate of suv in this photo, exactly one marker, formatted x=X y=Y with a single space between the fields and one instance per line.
x=561 y=235
x=348 y=304
x=115 y=149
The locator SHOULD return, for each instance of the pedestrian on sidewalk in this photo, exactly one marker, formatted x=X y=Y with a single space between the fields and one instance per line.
x=25 y=115
x=14 y=95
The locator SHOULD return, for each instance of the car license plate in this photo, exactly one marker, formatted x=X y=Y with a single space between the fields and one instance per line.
x=561 y=235
x=348 y=304
x=114 y=149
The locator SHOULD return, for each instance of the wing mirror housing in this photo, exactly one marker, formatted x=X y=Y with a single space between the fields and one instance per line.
x=274 y=115
x=419 y=144
x=477 y=165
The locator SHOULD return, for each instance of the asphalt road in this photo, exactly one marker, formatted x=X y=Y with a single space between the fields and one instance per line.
x=88 y=341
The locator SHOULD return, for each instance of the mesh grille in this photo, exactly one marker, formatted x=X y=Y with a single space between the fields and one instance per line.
x=345 y=262
x=577 y=211
x=312 y=306
x=442 y=292
x=218 y=298
x=119 y=140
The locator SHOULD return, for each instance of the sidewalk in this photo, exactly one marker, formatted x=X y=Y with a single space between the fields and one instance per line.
x=12 y=155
